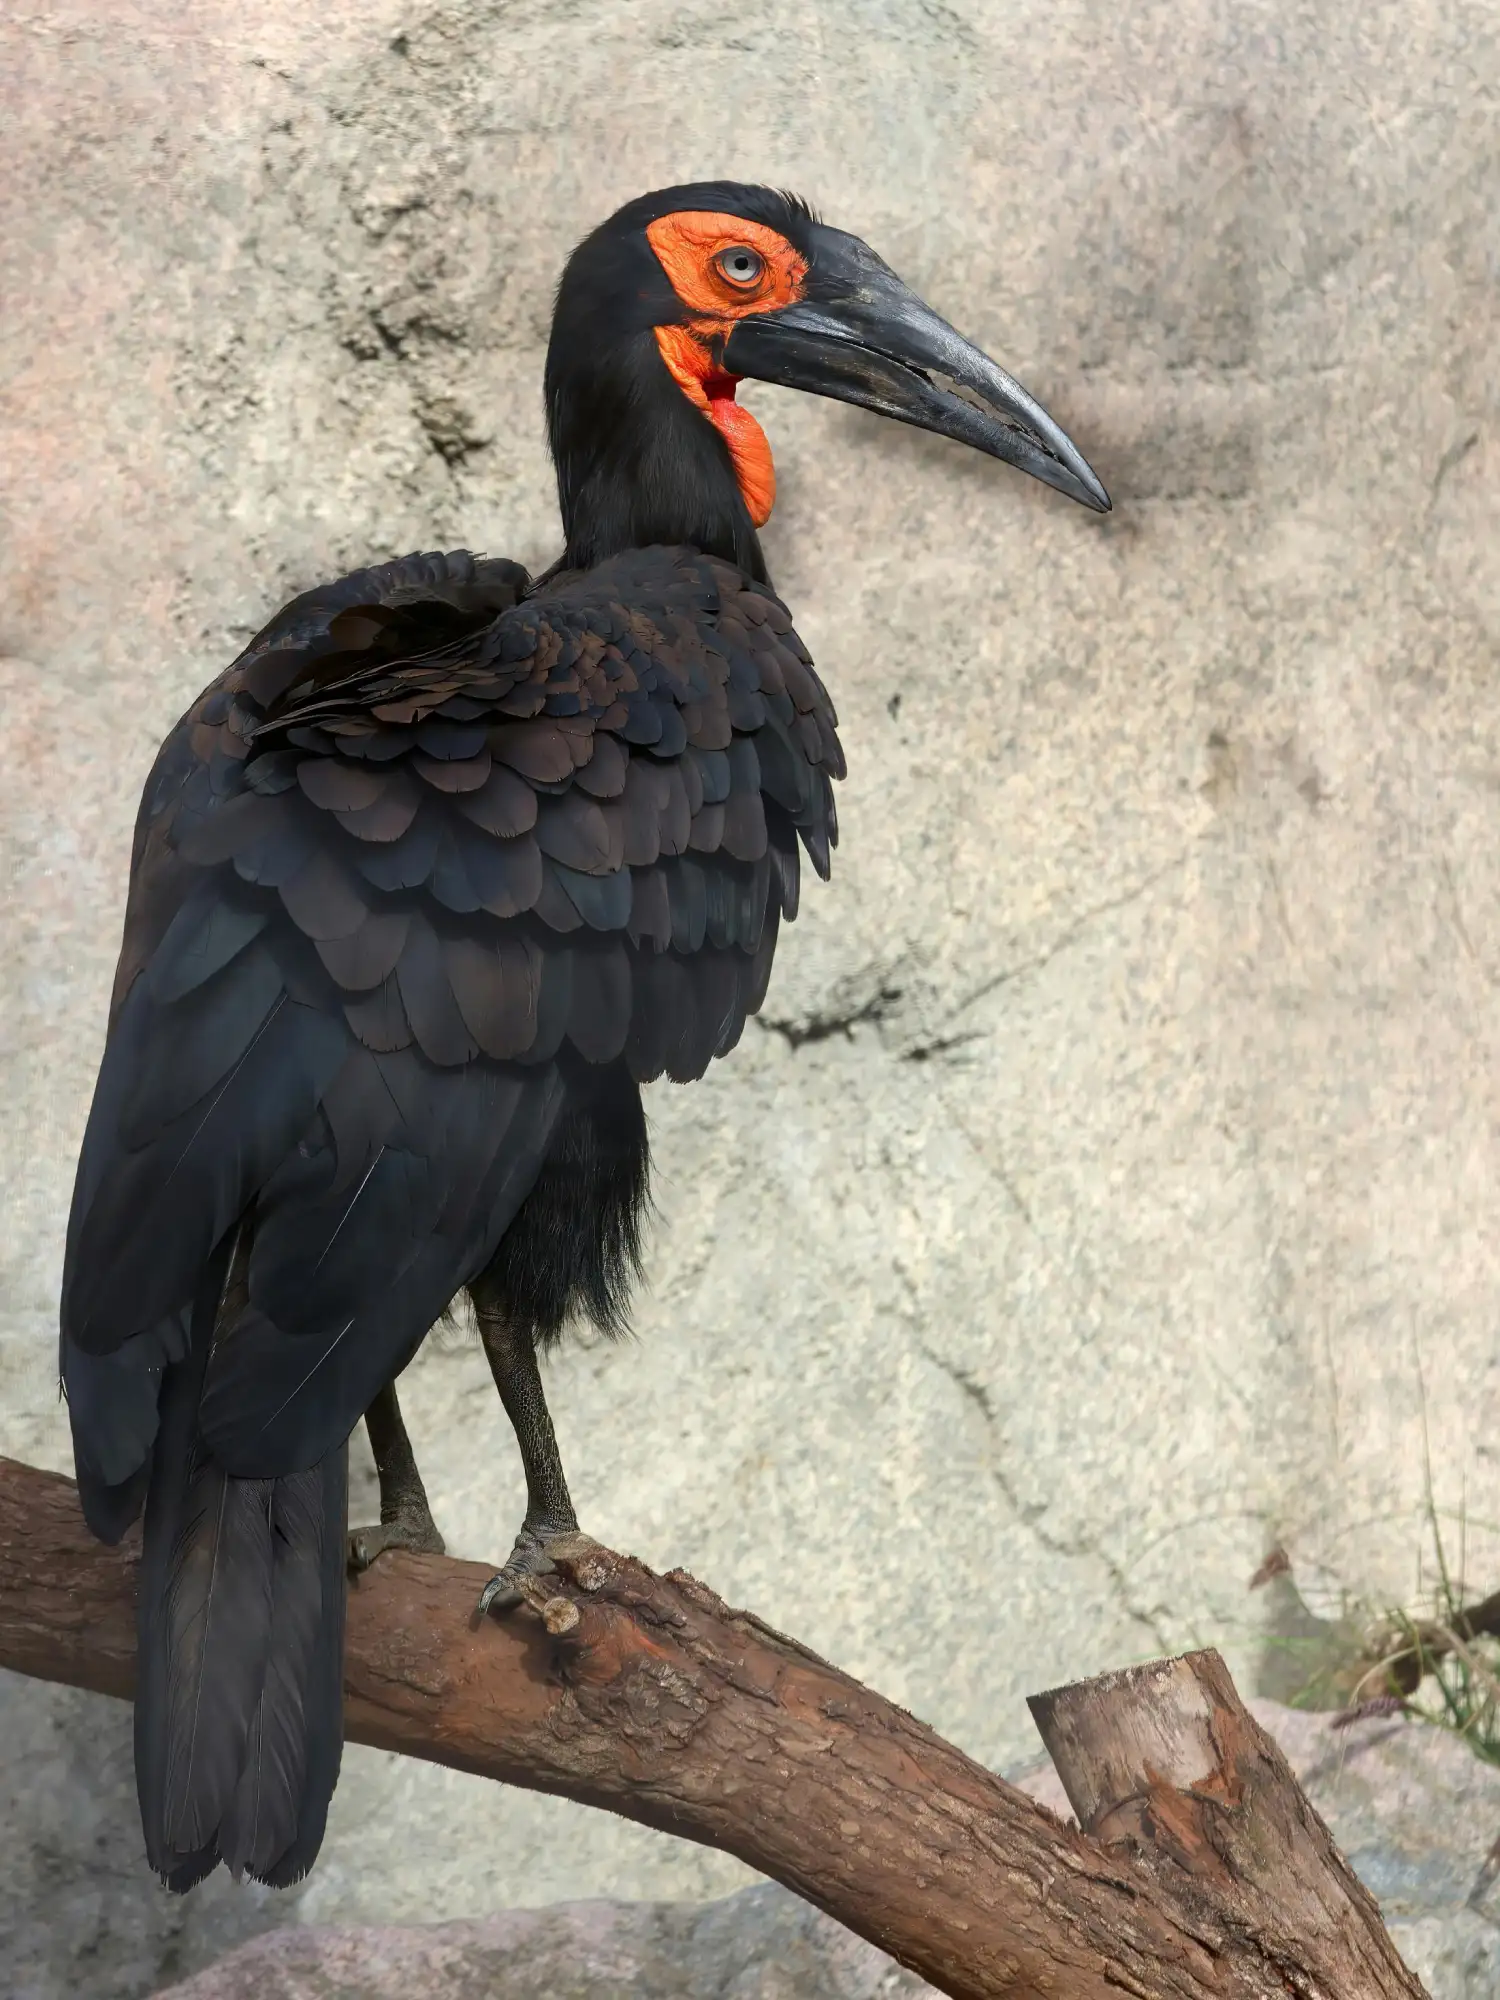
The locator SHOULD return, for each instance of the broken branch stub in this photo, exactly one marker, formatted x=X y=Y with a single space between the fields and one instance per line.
x=1166 y=1762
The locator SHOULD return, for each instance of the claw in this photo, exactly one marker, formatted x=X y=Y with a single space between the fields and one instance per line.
x=531 y=1559
x=504 y=1593
x=361 y=1553
x=499 y=1594
x=516 y=1582
x=365 y=1544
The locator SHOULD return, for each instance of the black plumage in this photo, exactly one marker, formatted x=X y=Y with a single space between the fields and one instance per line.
x=545 y=1270
x=469 y=920
x=424 y=887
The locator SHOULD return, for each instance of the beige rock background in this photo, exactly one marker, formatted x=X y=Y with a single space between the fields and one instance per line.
x=1109 y=1191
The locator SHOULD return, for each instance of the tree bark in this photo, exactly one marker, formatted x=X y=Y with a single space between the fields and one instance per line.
x=646 y=1695
x=1166 y=1758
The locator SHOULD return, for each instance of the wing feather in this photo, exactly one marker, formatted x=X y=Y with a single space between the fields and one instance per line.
x=429 y=830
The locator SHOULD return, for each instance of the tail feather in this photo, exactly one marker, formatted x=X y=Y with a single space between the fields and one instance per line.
x=239 y=1720
x=265 y=1820
x=216 y=1610
x=320 y=1690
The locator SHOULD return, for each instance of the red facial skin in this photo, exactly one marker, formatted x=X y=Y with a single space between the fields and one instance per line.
x=691 y=247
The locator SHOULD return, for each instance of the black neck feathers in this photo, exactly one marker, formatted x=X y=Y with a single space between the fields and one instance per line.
x=637 y=464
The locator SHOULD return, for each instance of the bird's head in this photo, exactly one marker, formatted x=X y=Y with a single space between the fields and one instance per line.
x=668 y=305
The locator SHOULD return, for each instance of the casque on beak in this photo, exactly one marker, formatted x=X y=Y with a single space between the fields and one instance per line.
x=863 y=337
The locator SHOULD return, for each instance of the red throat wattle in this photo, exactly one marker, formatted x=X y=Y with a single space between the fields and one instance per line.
x=688 y=356
x=691 y=246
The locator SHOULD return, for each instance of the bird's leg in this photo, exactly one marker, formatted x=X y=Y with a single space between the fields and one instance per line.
x=549 y=1508
x=405 y=1519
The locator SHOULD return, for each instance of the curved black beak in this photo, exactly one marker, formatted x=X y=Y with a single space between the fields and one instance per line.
x=862 y=337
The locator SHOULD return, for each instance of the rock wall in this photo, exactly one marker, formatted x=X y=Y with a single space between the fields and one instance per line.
x=1107 y=1192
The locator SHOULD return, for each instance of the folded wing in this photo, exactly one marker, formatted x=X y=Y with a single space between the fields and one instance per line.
x=428 y=844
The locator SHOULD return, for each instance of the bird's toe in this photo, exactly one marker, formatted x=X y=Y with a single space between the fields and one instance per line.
x=532 y=1557
x=365 y=1544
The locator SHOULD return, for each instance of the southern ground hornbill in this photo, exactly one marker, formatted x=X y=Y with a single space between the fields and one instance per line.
x=425 y=886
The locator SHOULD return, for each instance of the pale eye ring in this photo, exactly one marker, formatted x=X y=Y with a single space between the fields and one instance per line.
x=741 y=265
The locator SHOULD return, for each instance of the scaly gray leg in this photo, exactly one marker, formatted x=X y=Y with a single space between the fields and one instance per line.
x=405 y=1519
x=549 y=1508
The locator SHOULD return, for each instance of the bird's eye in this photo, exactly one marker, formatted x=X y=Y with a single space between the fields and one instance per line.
x=741 y=265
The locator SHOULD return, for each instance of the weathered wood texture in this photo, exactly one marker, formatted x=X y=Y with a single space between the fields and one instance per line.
x=646 y=1695
x=1166 y=1757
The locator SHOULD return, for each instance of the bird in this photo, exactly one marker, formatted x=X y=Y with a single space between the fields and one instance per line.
x=436 y=875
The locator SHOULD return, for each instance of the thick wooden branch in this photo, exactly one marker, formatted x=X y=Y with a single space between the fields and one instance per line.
x=647 y=1696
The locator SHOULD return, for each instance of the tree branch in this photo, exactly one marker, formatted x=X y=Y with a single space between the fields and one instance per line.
x=1167 y=1757
x=647 y=1696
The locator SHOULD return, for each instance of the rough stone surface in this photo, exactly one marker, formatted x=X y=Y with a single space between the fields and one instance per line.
x=1110 y=1190
x=761 y=1944
x=1413 y=1810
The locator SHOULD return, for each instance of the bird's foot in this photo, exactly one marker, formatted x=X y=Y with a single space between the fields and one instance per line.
x=413 y=1531
x=538 y=1551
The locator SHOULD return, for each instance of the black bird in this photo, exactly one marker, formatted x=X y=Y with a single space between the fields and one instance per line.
x=425 y=886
